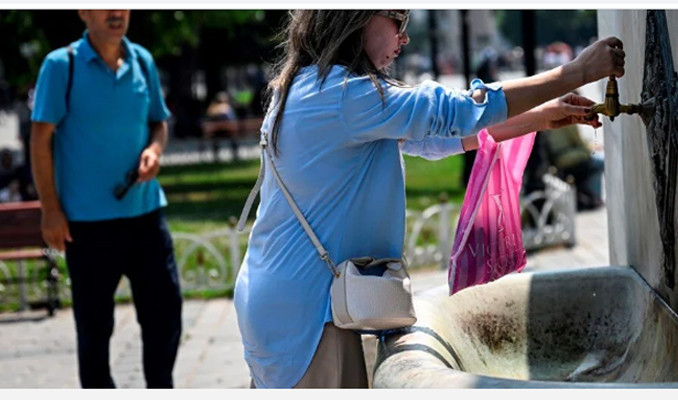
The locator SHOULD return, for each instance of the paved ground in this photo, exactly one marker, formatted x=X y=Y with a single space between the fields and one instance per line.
x=39 y=352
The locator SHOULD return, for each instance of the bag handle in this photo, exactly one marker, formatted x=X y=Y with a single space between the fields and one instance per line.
x=263 y=143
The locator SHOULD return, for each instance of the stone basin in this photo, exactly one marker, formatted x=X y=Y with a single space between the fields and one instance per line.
x=586 y=327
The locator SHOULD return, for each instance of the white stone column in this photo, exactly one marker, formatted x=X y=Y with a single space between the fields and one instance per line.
x=629 y=183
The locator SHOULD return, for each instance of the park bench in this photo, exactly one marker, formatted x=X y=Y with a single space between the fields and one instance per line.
x=238 y=130
x=20 y=241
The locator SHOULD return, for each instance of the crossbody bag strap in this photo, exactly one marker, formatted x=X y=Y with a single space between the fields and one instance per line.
x=324 y=254
x=262 y=165
x=255 y=190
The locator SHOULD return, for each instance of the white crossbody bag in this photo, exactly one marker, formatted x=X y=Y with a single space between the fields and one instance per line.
x=367 y=294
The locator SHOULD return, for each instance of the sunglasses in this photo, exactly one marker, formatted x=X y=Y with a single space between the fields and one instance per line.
x=401 y=19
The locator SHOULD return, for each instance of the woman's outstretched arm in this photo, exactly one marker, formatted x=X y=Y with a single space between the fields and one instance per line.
x=599 y=60
x=566 y=110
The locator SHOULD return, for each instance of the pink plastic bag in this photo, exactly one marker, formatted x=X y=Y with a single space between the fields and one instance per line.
x=488 y=243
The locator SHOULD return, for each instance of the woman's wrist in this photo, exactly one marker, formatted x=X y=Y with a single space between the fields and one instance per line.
x=540 y=116
x=469 y=143
x=578 y=71
x=529 y=121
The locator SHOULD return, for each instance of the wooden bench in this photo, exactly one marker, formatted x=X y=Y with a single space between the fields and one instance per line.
x=236 y=130
x=21 y=240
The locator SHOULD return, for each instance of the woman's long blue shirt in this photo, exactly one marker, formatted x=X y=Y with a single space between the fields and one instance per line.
x=340 y=158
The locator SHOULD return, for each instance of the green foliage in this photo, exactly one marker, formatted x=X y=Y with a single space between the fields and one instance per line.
x=26 y=39
x=29 y=35
x=164 y=32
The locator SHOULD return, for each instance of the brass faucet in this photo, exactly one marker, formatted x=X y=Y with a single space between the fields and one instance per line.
x=611 y=106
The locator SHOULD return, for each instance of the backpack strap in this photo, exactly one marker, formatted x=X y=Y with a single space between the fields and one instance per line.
x=144 y=69
x=71 y=61
x=69 y=83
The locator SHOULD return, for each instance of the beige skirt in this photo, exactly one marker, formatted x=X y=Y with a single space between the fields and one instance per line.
x=338 y=362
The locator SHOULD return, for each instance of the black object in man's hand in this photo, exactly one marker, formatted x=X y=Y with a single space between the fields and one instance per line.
x=130 y=179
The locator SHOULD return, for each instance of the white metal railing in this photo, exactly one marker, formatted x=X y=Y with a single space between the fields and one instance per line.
x=550 y=215
x=423 y=249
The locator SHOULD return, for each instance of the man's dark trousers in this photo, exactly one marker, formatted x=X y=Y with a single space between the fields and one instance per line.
x=141 y=249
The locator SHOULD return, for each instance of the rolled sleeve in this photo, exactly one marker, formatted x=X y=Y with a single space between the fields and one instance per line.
x=414 y=113
x=50 y=91
x=494 y=107
x=433 y=147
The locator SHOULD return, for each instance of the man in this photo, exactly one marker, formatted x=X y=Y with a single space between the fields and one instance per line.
x=99 y=101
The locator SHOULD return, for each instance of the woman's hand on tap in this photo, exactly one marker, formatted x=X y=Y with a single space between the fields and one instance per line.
x=601 y=59
x=567 y=110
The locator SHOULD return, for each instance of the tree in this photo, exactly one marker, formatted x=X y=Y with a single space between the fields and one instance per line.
x=27 y=37
x=570 y=26
x=180 y=41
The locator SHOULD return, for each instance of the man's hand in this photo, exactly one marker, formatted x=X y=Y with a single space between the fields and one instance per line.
x=55 y=229
x=149 y=164
x=567 y=110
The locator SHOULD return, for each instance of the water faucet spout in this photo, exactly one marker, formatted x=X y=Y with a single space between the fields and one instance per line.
x=611 y=107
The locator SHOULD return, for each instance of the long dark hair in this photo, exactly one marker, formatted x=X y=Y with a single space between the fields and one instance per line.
x=323 y=38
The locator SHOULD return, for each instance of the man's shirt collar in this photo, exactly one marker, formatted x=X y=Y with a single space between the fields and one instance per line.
x=86 y=50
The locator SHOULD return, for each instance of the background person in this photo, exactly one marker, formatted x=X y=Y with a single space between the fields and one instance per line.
x=113 y=121
x=221 y=120
x=572 y=157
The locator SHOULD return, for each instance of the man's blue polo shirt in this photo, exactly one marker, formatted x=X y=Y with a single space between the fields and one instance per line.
x=100 y=135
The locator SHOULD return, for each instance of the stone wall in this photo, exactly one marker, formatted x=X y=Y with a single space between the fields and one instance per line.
x=631 y=202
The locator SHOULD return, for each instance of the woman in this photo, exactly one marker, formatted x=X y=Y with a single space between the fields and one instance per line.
x=337 y=125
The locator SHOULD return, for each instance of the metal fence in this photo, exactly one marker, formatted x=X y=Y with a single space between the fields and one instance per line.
x=210 y=261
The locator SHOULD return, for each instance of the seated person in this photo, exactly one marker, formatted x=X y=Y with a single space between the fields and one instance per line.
x=572 y=156
x=218 y=114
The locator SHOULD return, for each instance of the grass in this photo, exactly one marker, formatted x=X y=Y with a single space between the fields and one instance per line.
x=204 y=197
x=425 y=181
